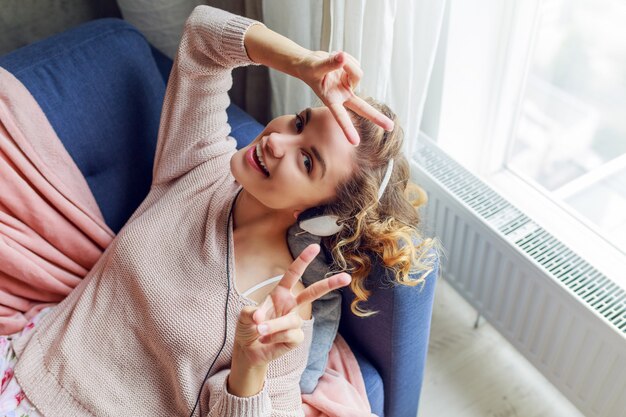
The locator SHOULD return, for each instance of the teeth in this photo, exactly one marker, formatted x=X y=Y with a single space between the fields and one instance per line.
x=259 y=155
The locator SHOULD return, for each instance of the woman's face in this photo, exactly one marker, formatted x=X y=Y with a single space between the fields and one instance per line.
x=305 y=157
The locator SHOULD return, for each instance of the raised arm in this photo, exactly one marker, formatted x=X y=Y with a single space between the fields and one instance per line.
x=194 y=127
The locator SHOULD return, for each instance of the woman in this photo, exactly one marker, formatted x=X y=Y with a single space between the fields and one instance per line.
x=163 y=310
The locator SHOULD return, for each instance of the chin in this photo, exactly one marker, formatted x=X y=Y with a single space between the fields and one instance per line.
x=236 y=168
x=240 y=172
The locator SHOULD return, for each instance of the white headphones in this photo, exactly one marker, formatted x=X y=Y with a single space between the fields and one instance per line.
x=315 y=222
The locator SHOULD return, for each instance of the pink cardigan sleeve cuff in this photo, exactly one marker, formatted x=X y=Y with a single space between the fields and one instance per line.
x=258 y=405
x=223 y=32
x=233 y=38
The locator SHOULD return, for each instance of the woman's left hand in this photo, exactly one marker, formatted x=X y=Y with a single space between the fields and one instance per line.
x=270 y=330
x=332 y=78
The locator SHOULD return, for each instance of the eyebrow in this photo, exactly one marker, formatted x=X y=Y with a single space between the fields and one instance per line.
x=313 y=148
x=319 y=159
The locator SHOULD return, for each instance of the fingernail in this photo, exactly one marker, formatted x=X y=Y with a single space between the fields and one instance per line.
x=262 y=328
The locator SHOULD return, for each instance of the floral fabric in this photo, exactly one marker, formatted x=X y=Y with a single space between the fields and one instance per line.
x=13 y=401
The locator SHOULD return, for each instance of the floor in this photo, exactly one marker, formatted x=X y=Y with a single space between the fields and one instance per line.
x=477 y=373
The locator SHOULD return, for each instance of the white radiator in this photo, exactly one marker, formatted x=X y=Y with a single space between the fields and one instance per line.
x=563 y=315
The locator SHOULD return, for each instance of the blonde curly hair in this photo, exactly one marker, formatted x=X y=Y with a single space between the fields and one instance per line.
x=386 y=230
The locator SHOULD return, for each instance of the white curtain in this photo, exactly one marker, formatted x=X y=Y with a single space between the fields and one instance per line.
x=300 y=21
x=394 y=40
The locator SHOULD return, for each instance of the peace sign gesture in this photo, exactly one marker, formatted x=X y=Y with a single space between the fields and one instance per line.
x=270 y=330
x=332 y=78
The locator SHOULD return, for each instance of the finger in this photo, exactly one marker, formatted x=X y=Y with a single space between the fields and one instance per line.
x=332 y=63
x=323 y=287
x=246 y=314
x=297 y=267
x=341 y=115
x=291 y=337
x=289 y=321
x=261 y=313
x=352 y=59
x=354 y=72
x=363 y=108
x=356 y=66
x=347 y=82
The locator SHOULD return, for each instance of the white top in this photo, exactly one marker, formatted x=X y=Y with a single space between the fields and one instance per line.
x=262 y=284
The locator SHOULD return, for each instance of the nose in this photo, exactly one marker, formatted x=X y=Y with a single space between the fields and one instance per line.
x=276 y=144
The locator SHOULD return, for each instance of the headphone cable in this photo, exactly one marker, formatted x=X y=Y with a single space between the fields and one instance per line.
x=230 y=212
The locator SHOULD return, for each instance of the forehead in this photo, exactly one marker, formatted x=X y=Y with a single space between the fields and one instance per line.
x=332 y=142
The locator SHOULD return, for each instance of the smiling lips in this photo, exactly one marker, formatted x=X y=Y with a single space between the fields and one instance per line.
x=253 y=161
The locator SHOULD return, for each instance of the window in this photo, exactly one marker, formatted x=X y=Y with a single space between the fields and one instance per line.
x=532 y=99
x=571 y=134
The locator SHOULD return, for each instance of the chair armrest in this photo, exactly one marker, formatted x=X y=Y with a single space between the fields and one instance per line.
x=395 y=340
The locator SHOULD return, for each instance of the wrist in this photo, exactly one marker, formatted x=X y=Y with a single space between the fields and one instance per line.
x=299 y=65
x=264 y=46
x=245 y=380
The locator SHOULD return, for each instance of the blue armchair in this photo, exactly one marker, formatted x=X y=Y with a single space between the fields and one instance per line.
x=101 y=85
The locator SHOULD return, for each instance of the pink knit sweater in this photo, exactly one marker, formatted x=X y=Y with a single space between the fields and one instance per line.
x=137 y=336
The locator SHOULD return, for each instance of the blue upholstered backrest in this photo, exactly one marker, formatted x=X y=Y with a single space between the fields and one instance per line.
x=55 y=72
x=395 y=340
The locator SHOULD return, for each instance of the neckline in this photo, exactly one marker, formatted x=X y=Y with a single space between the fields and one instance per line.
x=230 y=247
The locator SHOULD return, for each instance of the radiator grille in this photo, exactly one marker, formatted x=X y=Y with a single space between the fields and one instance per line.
x=582 y=278
x=562 y=314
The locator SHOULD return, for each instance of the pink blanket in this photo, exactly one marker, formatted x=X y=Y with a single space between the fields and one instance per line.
x=51 y=229
x=52 y=232
x=341 y=390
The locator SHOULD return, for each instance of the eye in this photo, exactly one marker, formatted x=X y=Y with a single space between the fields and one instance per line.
x=308 y=163
x=299 y=123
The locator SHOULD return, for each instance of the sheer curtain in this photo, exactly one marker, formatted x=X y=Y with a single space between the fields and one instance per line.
x=300 y=21
x=394 y=40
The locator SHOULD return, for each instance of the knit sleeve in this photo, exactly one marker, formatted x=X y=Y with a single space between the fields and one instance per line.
x=193 y=127
x=280 y=396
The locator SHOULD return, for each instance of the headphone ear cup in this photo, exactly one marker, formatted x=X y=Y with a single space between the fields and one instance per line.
x=317 y=223
x=322 y=225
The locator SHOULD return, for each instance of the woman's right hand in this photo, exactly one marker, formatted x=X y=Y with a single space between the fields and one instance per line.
x=333 y=78
x=273 y=328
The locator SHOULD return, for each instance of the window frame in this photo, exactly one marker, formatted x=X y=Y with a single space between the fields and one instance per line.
x=503 y=35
